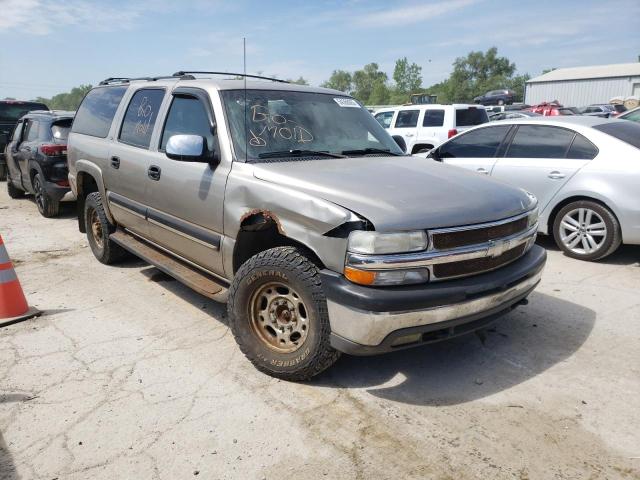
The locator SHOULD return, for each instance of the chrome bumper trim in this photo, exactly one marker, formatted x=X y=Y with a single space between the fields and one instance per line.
x=371 y=328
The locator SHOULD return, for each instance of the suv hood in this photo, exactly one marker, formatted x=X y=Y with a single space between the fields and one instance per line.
x=401 y=193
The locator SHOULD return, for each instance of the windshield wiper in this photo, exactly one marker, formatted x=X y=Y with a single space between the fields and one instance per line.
x=298 y=153
x=367 y=151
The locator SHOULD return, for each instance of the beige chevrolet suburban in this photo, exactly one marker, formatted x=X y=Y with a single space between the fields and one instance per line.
x=296 y=207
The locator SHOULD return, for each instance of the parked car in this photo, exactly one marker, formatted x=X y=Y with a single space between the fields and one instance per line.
x=602 y=110
x=552 y=109
x=496 y=97
x=633 y=115
x=512 y=115
x=37 y=159
x=10 y=112
x=585 y=172
x=424 y=127
x=299 y=206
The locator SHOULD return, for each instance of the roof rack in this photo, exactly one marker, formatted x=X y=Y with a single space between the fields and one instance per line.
x=182 y=73
x=113 y=80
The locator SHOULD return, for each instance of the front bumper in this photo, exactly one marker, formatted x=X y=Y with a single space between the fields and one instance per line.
x=366 y=320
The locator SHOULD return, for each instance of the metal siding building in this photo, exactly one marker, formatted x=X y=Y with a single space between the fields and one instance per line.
x=579 y=86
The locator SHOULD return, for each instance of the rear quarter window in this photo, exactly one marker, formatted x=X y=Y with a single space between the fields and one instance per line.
x=97 y=110
x=467 y=117
x=60 y=130
x=628 y=132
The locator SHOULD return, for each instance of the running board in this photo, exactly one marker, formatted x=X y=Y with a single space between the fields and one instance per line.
x=192 y=277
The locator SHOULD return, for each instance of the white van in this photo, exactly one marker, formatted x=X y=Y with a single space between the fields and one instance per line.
x=424 y=127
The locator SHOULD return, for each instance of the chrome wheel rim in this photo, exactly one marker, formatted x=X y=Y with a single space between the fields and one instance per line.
x=96 y=228
x=279 y=317
x=39 y=194
x=583 y=231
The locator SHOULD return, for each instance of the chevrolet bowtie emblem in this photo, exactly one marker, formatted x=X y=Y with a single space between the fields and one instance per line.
x=498 y=247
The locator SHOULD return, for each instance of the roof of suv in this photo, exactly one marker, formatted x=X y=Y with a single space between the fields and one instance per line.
x=229 y=84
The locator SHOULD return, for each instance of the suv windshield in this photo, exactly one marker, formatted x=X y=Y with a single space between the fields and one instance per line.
x=12 y=112
x=282 y=123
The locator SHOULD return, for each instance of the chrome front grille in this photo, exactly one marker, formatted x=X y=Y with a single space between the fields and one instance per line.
x=461 y=251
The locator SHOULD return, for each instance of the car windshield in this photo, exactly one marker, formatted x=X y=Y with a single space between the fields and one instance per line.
x=628 y=132
x=12 y=112
x=285 y=124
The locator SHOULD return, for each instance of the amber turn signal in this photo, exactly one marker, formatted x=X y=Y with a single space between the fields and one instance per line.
x=362 y=277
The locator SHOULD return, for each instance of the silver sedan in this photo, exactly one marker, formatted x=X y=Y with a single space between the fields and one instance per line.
x=585 y=172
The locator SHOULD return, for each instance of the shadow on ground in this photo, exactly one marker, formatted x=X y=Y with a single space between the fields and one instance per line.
x=625 y=255
x=7 y=468
x=518 y=347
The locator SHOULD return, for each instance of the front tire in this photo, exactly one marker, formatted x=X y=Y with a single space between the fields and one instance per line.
x=46 y=205
x=98 y=230
x=278 y=315
x=586 y=230
x=13 y=191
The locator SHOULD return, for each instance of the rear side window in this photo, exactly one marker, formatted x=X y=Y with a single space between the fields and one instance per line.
x=96 y=112
x=582 y=149
x=628 y=132
x=407 y=118
x=481 y=143
x=141 y=116
x=60 y=130
x=433 y=118
x=537 y=141
x=384 y=119
x=471 y=116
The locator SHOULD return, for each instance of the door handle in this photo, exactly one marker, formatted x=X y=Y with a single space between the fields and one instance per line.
x=115 y=162
x=555 y=175
x=408 y=134
x=154 y=172
x=482 y=170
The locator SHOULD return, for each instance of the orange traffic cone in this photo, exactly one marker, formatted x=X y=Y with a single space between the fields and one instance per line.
x=13 y=304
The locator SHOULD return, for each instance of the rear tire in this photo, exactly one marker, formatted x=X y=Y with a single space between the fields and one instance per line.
x=278 y=315
x=586 y=230
x=13 y=191
x=3 y=173
x=98 y=231
x=46 y=205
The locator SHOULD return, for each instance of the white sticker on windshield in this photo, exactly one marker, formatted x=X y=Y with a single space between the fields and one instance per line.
x=347 y=102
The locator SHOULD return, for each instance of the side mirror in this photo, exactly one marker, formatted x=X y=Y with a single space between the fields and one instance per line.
x=187 y=148
x=434 y=153
x=401 y=143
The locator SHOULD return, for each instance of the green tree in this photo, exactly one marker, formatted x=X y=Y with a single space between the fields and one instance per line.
x=408 y=77
x=339 y=80
x=380 y=94
x=517 y=84
x=66 y=101
x=365 y=80
x=299 y=81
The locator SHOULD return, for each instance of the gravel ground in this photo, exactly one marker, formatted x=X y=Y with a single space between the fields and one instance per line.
x=129 y=374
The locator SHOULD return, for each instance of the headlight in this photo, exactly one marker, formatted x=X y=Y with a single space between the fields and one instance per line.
x=532 y=219
x=386 y=278
x=380 y=243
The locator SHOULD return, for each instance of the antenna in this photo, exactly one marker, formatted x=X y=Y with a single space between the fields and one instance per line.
x=246 y=133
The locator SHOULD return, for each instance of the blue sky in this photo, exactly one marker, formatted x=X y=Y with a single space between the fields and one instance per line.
x=50 y=46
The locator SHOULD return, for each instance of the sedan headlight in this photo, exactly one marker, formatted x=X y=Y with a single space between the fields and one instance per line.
x=532 y=219
x=381 y=243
